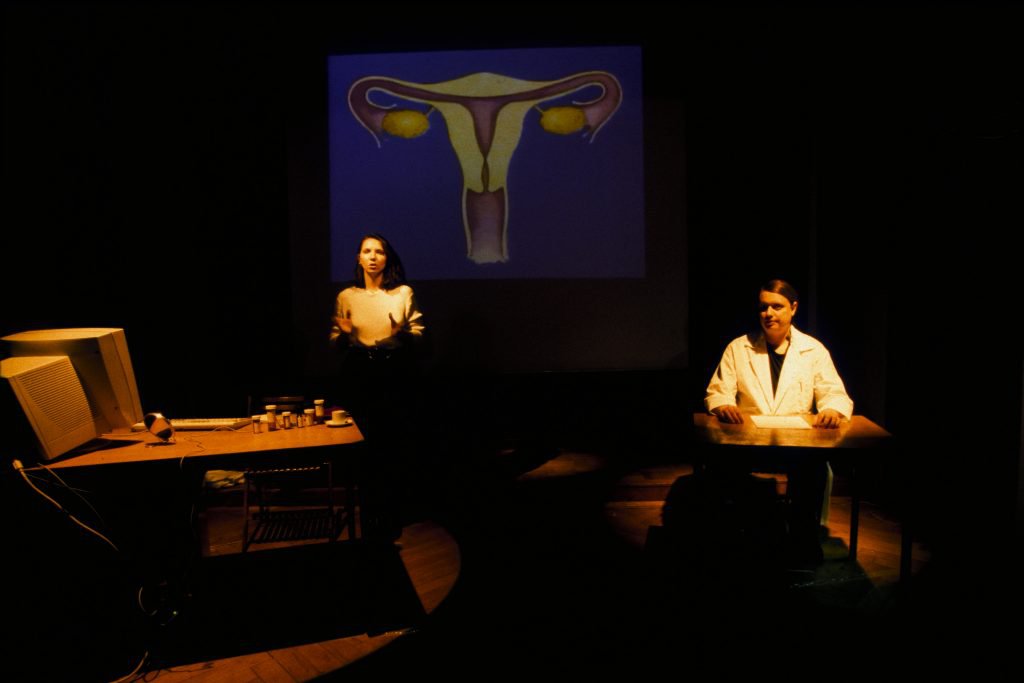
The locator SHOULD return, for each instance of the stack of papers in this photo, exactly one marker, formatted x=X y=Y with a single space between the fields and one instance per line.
x=779 y=422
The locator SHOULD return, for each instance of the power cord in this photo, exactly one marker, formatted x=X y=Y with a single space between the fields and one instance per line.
x=78 y=492
x=133 y=675
x=165 y=612
x=20 y=468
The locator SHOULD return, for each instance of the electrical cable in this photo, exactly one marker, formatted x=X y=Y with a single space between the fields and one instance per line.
x=77 y=492
x=20 y=469
x=133 y=674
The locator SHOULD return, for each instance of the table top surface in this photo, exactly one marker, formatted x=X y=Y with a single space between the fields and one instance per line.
x=857 y=432
x=139 y=447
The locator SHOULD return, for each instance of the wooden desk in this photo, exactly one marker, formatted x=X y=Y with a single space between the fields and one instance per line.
x=197 y=452
x=849 y=443
x=858 y=432
x=213 y=448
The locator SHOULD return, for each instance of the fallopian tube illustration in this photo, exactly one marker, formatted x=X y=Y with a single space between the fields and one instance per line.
x=484 y=113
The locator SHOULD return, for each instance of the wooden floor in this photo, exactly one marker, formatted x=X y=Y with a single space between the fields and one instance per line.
x=429 y=555
x=551 y=567
x=642 y=493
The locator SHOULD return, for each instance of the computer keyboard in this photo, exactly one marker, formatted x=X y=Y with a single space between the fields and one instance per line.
x=209 y=423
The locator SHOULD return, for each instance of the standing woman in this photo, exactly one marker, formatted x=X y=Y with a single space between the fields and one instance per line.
x=377 y=325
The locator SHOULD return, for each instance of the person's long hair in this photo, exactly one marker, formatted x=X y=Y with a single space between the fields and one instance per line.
x=394 y=272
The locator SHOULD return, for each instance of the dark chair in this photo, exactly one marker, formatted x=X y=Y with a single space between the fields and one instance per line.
x=291 y=503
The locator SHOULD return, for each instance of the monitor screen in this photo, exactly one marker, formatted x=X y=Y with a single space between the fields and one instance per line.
x=101 y=360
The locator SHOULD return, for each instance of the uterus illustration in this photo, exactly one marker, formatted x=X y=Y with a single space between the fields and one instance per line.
x=484 y=114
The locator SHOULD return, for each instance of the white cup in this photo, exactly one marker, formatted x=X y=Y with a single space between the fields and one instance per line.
x=338 y=415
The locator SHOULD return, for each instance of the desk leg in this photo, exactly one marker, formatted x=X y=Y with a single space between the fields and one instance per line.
x=854 y=514
x=350 y=509
x=245 y=512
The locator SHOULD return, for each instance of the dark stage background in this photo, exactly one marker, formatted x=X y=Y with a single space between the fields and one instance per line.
x=165 y=172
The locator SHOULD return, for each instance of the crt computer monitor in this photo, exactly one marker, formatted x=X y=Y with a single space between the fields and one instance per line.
x=100 y=359
x=50 y=397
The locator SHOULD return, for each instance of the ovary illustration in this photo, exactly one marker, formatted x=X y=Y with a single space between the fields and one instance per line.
x=484 y=114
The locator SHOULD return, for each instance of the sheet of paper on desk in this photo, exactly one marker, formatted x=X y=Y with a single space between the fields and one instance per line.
x=779 y=422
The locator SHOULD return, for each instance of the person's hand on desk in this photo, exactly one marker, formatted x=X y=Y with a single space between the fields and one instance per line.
x=828 y=419
x=728 y=414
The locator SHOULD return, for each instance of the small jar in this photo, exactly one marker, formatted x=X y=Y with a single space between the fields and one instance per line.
x=309 y=416
x=271 y=417
x=256 y=424
x=286 y=419
x=318 y=414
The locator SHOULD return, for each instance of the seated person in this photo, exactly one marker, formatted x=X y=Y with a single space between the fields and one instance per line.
x=782 y=371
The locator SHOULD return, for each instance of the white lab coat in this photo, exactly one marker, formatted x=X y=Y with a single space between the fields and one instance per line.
x=808 y=382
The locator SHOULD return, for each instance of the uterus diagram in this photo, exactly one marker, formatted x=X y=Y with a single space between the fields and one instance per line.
x=484 y=114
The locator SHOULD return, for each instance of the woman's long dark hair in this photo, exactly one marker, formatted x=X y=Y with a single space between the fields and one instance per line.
x=394 y=272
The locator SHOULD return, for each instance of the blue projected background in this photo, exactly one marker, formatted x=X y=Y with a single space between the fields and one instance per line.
x=575 y=206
